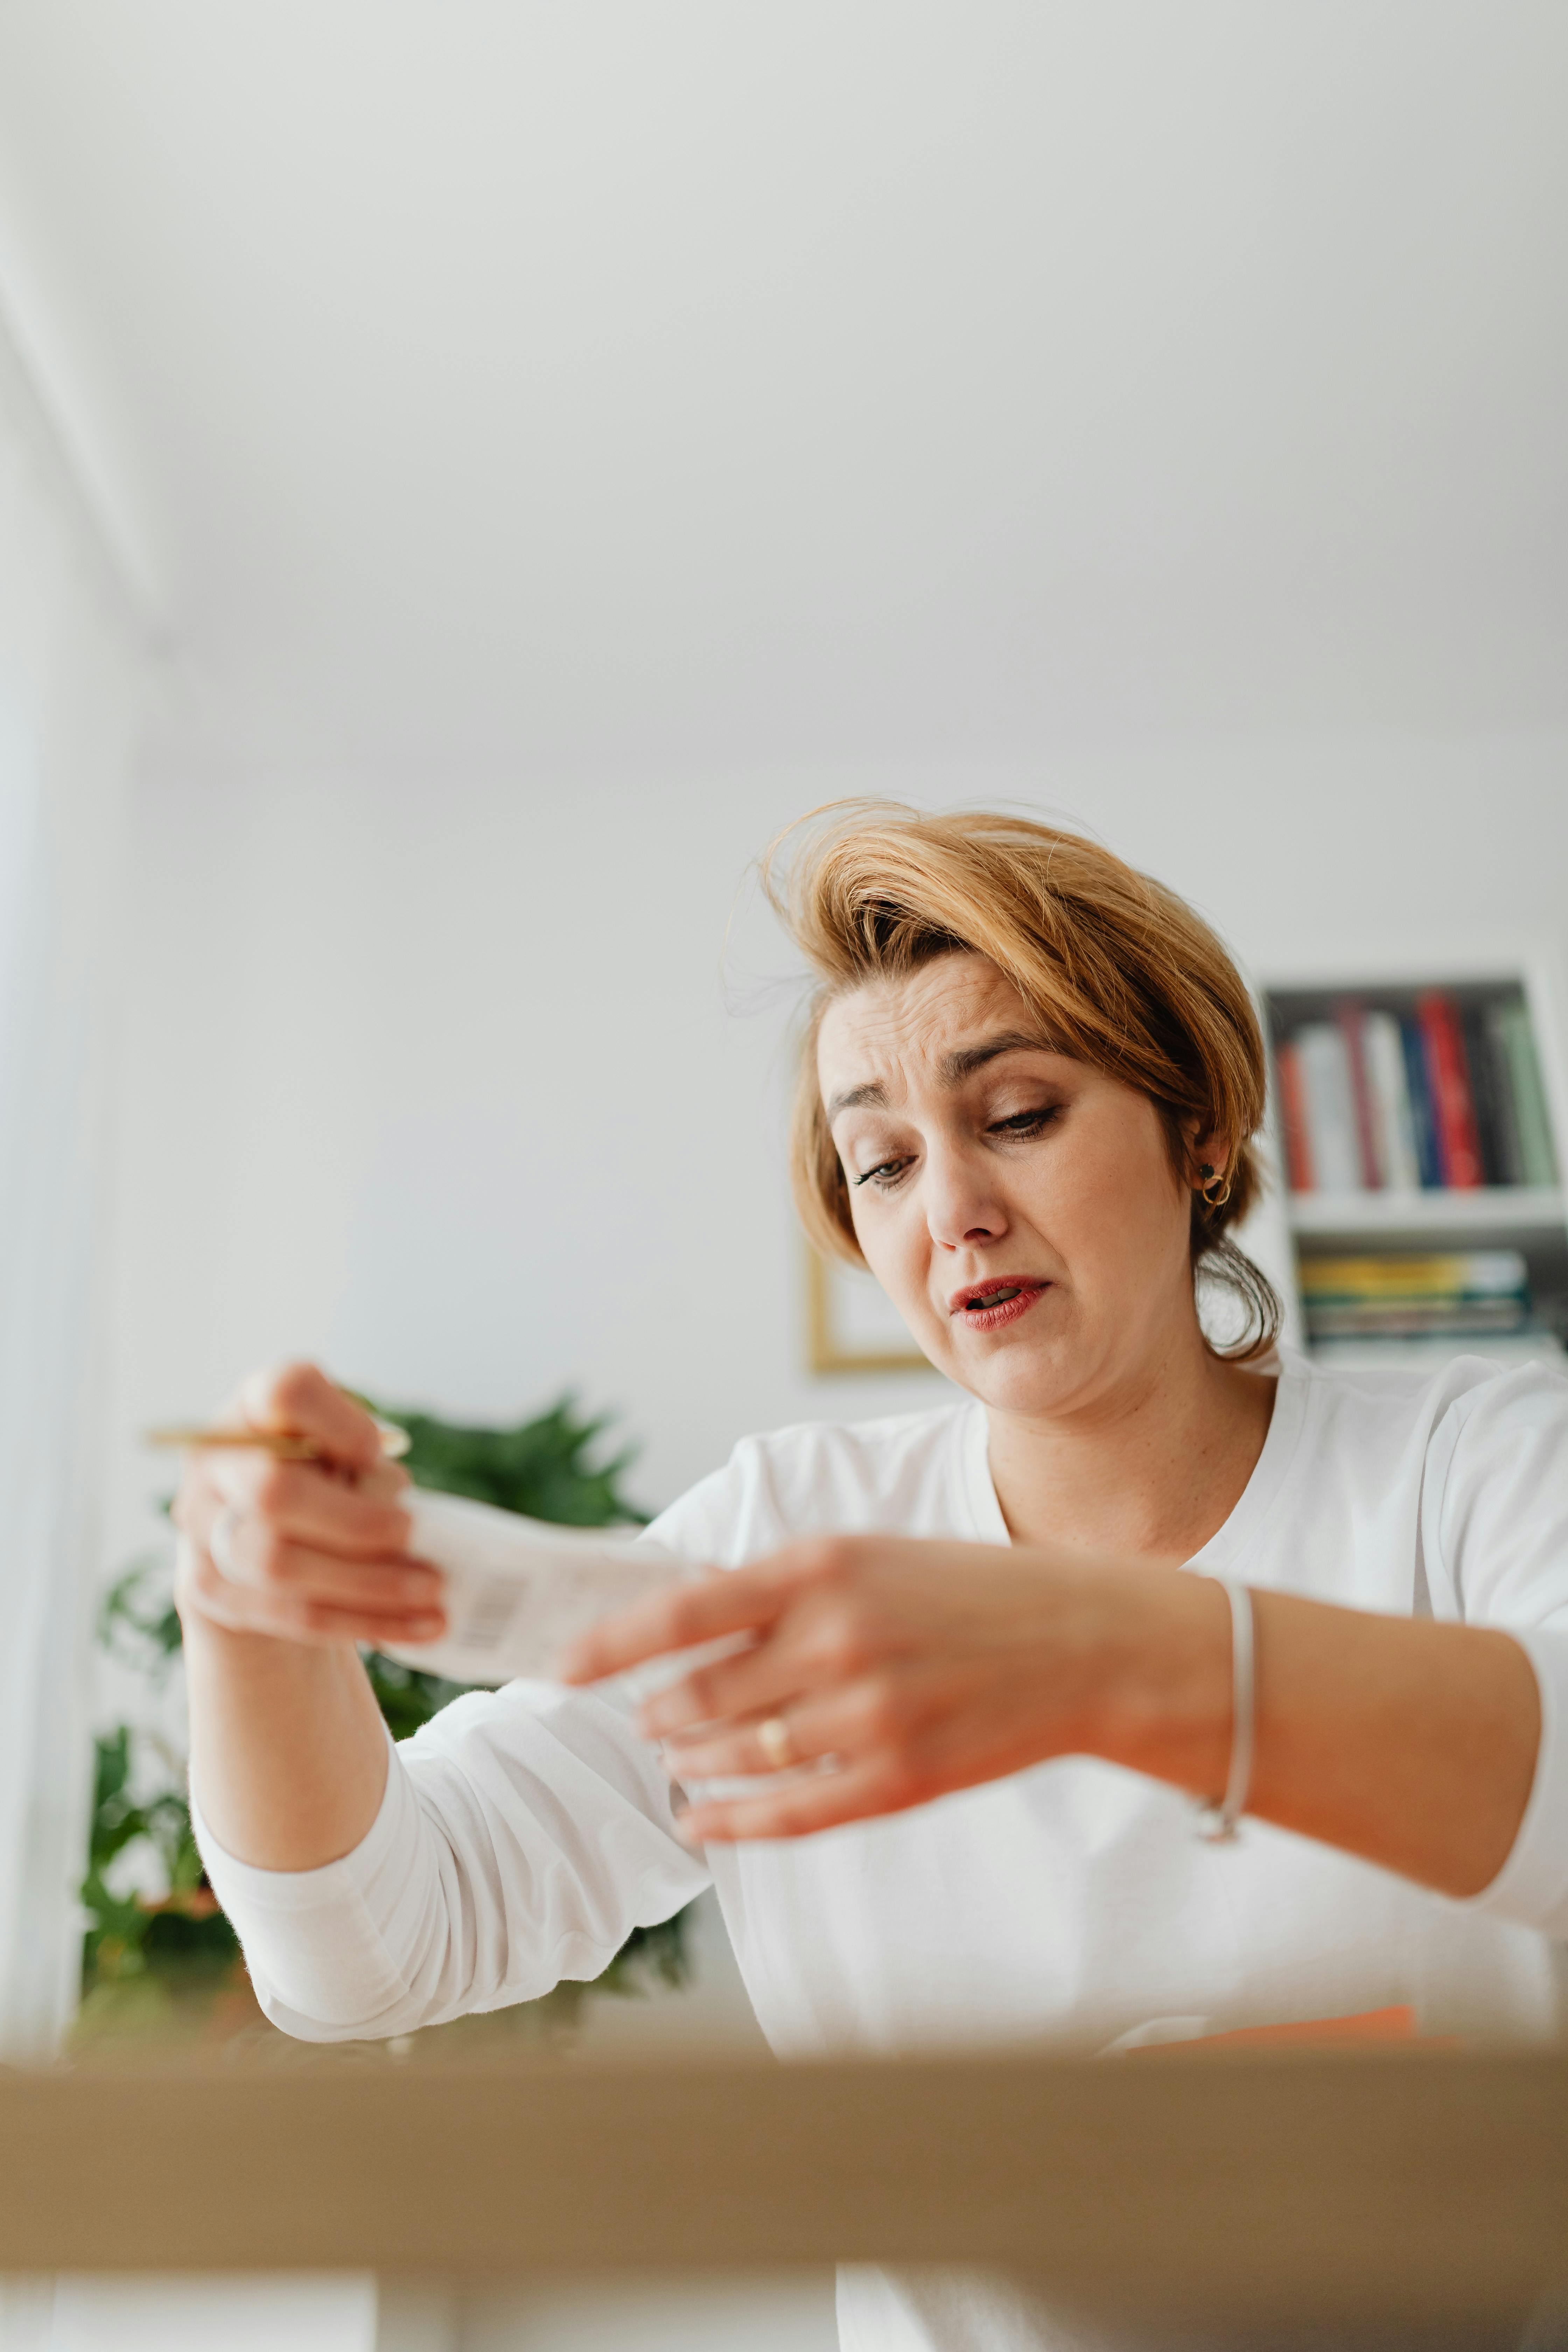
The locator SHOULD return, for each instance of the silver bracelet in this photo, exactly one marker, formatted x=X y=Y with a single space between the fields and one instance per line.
x=1219 y=1818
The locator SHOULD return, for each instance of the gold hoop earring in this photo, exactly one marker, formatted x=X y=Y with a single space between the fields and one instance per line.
x=1213 y=1199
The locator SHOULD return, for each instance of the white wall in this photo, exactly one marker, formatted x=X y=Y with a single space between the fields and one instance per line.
x=443 y=1083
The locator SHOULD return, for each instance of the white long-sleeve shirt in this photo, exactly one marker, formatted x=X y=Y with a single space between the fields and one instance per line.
x=524 y=1833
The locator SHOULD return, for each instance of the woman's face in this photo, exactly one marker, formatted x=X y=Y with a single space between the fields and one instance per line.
x=1020 y=1208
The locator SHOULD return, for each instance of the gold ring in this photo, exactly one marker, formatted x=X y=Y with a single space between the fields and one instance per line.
x=773 y=1739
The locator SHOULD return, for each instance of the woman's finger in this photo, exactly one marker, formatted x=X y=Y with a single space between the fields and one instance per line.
x=253 y=1557
x=799 y=1805
x=295 y=1613
x=298 y=1401
x=727 y=1600
x=321 y=1622
x=726 y=1751
x=801 y=1731
x=875 y=1712
x=303 y=1503
x=754 y=1682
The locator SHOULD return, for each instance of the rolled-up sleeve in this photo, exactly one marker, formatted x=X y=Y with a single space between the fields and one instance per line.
x=1495 y=1536
x=1532 y=1885
x=522 y=1834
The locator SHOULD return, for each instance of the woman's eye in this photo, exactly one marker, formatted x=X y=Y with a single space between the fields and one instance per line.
x=886 y=1173
x=1027 y=1123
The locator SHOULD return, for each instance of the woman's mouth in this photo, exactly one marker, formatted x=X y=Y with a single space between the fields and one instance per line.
x=988 y=1305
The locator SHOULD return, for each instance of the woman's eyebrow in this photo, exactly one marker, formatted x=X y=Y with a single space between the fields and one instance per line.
x=966 y=1059
x=961 y=1063
x=871 y=1094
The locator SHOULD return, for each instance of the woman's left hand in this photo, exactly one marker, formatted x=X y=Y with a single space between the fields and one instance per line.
x=884 y=1671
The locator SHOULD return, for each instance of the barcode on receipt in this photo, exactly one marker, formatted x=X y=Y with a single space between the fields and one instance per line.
x=490 y=1613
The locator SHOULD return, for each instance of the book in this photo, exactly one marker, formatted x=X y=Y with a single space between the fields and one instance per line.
x=1417 y=1319
x=1487 y=1083
x=1419 y=1095
x=1331 y=1129
x=1350 y=1019
x=1436 y=1274
x=1448 y=1294
x=1510 y=1155
x=1538 y=1159
x=1448 y=1077
x=1293 y=1118
x=1394 y=1121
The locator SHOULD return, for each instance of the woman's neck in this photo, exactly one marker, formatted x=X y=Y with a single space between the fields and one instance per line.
x=1148 y=1470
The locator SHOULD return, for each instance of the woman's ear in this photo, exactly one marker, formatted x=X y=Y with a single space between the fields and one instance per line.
x=1212 y=1169
x=1209 y=1153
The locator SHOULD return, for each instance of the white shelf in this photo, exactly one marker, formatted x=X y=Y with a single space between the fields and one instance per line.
x=1494 y=1209
x=1507 y=1347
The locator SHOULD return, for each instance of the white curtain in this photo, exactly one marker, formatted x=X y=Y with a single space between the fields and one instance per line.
x=74 y=679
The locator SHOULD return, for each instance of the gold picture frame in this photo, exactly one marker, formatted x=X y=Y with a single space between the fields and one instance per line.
x=851 y=1324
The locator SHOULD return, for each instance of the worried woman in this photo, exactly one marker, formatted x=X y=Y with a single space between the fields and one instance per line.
x=1012 y=1662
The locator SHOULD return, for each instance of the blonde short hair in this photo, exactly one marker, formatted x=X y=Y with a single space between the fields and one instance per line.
x=1118 y=971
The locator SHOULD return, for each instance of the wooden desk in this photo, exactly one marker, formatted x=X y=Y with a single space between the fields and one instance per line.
x=1381 y=2184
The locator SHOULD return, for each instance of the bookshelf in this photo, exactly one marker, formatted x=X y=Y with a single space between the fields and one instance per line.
x=1490 y=997
x=1441 y=1220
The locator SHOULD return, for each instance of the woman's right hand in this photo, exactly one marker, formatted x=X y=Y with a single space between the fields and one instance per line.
x=311 y=1552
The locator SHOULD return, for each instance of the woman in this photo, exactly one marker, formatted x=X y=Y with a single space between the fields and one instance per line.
x=1030 y=1083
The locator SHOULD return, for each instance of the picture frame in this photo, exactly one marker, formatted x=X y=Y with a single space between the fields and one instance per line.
x=851 y=1324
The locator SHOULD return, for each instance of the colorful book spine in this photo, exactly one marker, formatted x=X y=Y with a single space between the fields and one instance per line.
x=1293 y=1118
x=1351 y=1021
x=1485 y=1095
x=1331 y=1106
x=1538 y=1159
x=1423 y=1121
x=1382 y=1052
x=1505 y=1110
x=1458 y=1145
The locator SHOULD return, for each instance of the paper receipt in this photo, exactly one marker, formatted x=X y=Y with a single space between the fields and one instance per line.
x=517 y=1590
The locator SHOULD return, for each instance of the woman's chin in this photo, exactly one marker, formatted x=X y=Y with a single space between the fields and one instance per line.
x=1042 y=1374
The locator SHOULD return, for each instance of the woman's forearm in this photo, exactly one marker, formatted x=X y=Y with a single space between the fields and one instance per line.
x=919 y=1668
x=1410 y=1743
x=287 y=1750
x=284 y=1566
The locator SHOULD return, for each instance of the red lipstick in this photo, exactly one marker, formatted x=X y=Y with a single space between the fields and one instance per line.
x=988 y=1305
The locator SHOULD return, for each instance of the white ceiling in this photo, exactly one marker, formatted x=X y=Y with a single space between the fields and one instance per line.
x=664 y=380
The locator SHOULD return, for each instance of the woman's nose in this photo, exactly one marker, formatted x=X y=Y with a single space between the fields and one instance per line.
x=961 y=1206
